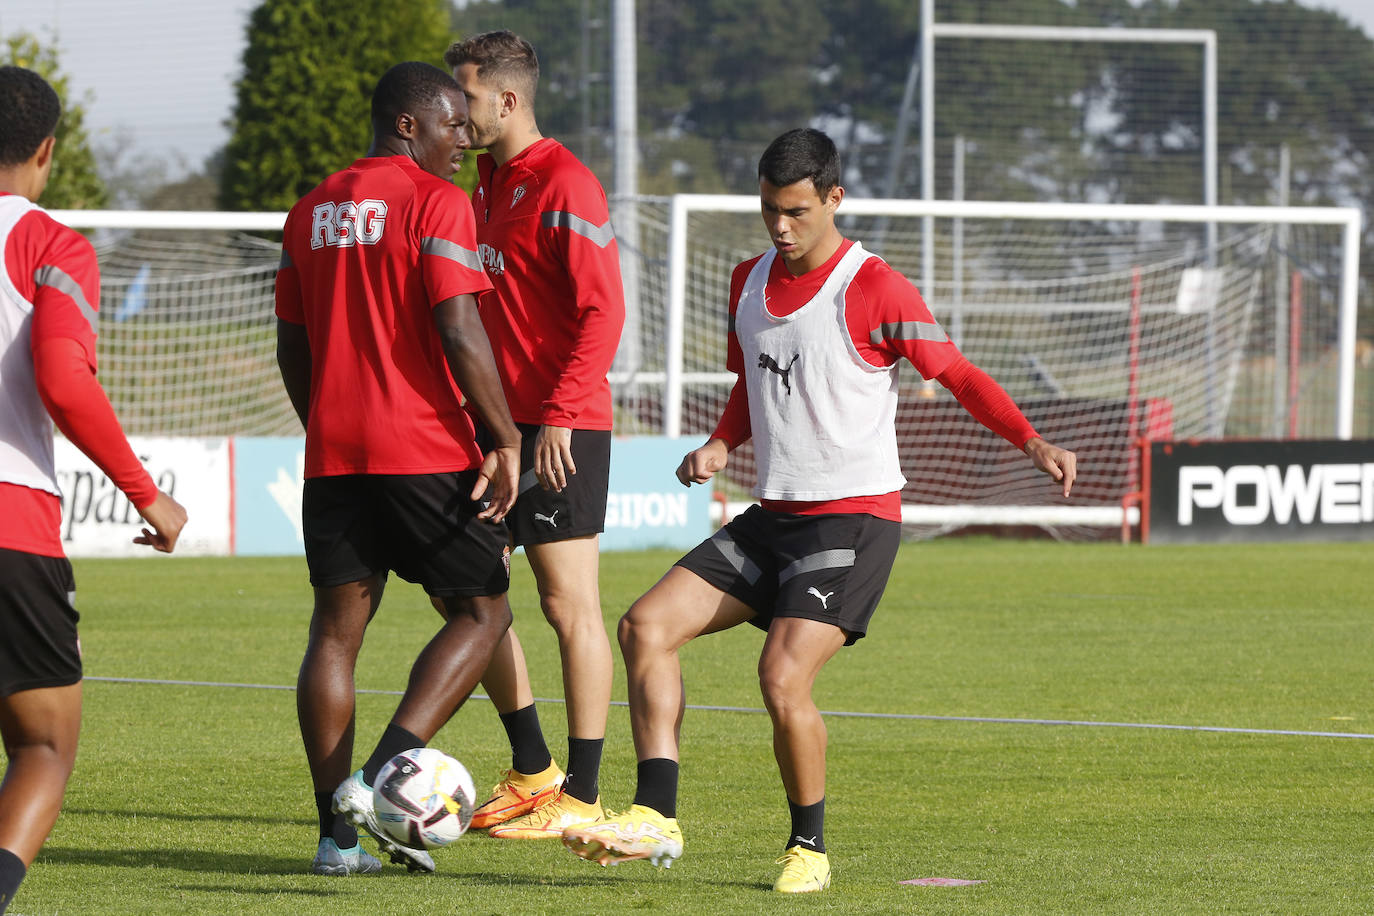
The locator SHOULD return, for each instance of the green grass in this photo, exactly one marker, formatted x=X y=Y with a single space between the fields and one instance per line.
x=192 y=799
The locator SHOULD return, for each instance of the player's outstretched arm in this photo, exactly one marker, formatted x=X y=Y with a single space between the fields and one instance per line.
x=701 y=464
x=1059 y=463
x=168 y=517
x=468 y=353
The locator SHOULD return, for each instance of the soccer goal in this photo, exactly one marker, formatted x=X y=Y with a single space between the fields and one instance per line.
x=1107 y=323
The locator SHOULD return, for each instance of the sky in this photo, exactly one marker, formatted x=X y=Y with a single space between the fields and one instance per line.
x=160 y=73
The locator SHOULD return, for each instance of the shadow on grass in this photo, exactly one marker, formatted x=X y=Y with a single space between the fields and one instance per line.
x=207 y=862
x=194 y=860
x=233 y=889
x=216 y=817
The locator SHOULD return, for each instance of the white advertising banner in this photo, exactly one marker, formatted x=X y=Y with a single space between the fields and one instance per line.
x=98 y=520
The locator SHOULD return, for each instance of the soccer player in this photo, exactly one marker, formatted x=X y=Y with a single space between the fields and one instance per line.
x=49 y=292
x=376 y=321
x=817 y=327
x=554 y=324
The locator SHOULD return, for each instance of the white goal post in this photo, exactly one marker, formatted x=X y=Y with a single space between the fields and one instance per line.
x=1141 y=312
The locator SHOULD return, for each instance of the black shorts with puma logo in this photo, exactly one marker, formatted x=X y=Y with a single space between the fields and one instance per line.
x=831 y=568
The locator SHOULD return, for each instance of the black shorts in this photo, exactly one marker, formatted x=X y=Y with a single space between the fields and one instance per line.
x=423 y=526
x=542 y=516
x=831 y=568
x=38 y=642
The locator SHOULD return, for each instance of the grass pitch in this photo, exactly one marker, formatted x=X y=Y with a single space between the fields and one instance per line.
x=196 y=799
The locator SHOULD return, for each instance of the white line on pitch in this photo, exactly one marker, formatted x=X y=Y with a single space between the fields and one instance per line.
x=1082 y=723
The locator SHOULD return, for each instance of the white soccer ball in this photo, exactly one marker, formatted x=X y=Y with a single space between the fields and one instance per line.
x=424 y=798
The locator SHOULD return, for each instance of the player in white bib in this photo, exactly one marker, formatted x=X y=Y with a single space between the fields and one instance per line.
x=817 y=329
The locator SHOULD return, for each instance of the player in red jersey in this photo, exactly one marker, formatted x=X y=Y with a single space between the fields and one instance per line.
x=809 y=564
x=377 y=319
x=554 y=324
x=49 y=291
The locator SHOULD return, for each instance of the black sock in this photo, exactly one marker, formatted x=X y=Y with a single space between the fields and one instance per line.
x=394 y=740
x=808 y=826
x=528 y=752
x=334 y=826
x=657 y=785
x=11 y=874
x=584 y=768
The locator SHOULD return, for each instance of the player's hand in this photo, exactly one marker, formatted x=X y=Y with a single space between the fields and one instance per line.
x=168 y=517
x=553 y=460
x=700 y=465
x=498 y=479
x=1059 y=463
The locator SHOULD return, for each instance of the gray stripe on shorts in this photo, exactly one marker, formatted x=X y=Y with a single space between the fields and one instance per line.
x=735 y=557
x=826 y=559
x=528 y=481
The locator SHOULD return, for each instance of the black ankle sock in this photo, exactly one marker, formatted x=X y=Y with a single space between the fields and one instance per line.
x=394 y=740
x=657 y=785
x=332 y=825
x=11 y=875
x=528 y=752
x=808 y=826
x=584 y=768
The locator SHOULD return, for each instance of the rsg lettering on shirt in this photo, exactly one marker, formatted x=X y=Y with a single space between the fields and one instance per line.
x=1249 y=494
x=346 y=223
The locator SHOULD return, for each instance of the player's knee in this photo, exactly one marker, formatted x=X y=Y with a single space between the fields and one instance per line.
x=636 y=631
x=51 y=748
x=782 y=688
x=492 y=615
x=571 y=617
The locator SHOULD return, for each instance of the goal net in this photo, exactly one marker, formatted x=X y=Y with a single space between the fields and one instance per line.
x=1106 y=324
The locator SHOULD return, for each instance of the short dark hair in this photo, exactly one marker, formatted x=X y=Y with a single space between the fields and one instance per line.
x=802 y=152
x=405 y=89
x=502 y=56
x=29 y=109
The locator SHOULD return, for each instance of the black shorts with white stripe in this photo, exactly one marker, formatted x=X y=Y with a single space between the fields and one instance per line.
x=831 y=568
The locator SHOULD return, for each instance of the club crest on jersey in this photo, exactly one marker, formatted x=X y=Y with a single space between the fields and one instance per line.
x=517 y=196
x=771 y=364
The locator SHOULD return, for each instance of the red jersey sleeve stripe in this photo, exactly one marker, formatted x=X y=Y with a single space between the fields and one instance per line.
x=907 y=330
x=285 y=261
x=58 y=279
x=600 y=236
x=443 y=248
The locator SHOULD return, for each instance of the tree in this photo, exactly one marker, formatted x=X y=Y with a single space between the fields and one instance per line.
x=74 y=183
x=304 y=102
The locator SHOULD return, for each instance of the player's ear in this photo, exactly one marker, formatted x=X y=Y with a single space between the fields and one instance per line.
x=43 y=155
x=509 y=102
x=405 y=126
x=833 y=199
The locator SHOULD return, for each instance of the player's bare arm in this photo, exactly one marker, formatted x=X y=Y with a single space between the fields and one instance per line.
x=168 y=517
x=553 y=460
x=468 y=353
x=1060 y=464
x=701 y=464
x=293 y=359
